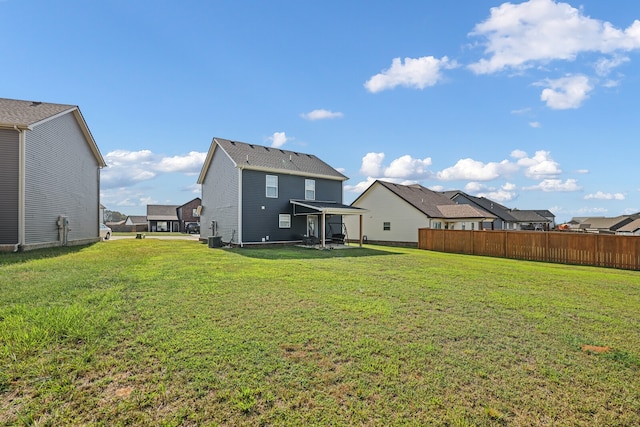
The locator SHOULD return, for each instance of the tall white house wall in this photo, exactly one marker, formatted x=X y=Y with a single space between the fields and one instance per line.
x=220 y=198
x=384 y=206
x=62 y=177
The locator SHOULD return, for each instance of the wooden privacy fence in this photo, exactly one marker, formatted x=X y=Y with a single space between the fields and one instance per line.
x=598 y=250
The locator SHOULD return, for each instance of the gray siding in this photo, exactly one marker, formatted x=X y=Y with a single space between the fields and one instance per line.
x=258 y=223
x=220 y=198
x=9 y=178
x=62 y=178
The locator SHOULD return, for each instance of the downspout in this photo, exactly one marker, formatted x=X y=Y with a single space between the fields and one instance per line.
x=21 y=188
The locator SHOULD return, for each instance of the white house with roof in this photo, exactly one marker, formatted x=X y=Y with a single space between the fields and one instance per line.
x=396 y=212
x=49 y=176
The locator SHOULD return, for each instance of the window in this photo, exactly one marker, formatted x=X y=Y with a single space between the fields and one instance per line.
x=309 y=189
x=272 y=186
x=386 y=226
x=437 y=225
x=284 y=220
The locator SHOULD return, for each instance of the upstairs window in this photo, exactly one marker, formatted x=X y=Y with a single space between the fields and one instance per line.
x=386 y=226
x=272 y=186
x=309 y=189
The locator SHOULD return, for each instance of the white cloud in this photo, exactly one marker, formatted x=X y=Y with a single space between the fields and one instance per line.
x=406 y=167
x=126 y=168
x=604 y=196
x=556 y=185
x=278 y=139
x=535 y=125
x=469 y=169
x=321 y=115
x=505 y=193
x=190 y=164
x=372 y=164
x=539 y=166
x=517 y=36
x=582 y=171
x=414 y=73
x=566 y=92
x=402 y=169
x=604 y=66
x=360 y=186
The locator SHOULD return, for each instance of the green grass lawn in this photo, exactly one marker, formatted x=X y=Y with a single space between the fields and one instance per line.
x=153 y=332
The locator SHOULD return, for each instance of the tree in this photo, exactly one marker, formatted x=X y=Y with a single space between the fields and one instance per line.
x=113 y=216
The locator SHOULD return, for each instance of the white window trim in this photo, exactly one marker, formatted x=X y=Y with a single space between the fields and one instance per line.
x=284 y=220
x=309 y=183
x=267 y=186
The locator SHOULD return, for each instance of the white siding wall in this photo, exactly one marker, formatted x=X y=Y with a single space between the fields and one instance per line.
x=220 y=198
x=384 y=206
x=62 y=178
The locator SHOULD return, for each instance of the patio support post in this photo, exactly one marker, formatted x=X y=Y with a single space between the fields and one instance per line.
x=322 y=227
x=360 y=229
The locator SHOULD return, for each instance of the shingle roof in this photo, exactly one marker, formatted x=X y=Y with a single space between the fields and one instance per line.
x=488 y=205
x=632 y=227
x=423 y=199
x=26 y=113
x=606 y=223
x=162 y=212
x=259 y=157
x=138 y=219
x=432 y=203
x=528 y=216
x=464 y=211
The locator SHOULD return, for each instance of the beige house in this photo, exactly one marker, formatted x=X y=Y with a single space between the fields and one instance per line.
x=396 y=212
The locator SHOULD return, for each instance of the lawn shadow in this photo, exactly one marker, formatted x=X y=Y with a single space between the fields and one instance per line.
x=7 y=258
x=297 y=252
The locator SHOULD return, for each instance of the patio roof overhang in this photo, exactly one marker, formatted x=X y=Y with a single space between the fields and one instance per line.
x=313 y=207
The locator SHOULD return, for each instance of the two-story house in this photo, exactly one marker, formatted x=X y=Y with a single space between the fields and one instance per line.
x=253 y=194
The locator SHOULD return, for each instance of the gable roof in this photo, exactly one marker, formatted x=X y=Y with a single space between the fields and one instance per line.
x=632 y=227
x=528 y=216
x=429 y=202
x=269 y=159
x=488 y=205
x=137 y=219
x=25 y=115
x=162 y=212
x=606 y=223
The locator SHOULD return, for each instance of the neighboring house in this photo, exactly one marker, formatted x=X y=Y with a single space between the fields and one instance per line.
x=503 y=221
x=252 y=194
x=49 y=176
x=396 y=212
x=506 y=219
x=604 y=225
x=531 y=220
x=189 y=212
x=631 y=229
x=135 y=223
x=163 y=218
x=101 y=214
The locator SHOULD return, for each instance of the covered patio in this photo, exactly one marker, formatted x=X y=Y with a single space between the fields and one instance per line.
x=325 y=209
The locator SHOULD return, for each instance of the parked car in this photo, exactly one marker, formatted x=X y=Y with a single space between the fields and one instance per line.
x=105 y=232
x=192 y=228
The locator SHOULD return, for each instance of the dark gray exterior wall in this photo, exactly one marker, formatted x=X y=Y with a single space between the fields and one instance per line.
x=9 y=178
x=220 y=198
x=61 y=178
x=259 y=223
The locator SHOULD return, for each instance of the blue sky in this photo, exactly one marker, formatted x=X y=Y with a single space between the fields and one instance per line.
x=533 y=104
